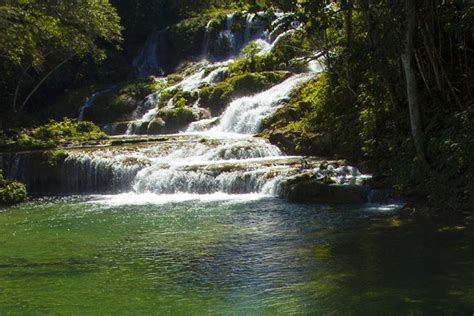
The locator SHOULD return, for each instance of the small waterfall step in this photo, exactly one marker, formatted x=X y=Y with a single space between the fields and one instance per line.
x=174 y=164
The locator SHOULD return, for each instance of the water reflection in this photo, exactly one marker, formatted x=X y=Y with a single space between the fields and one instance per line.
x=260 y=256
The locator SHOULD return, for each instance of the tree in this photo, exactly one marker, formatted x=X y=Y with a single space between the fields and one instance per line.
x=39 y=36
x=411 y=80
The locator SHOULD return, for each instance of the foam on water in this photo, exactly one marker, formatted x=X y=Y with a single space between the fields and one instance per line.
x=161 y=199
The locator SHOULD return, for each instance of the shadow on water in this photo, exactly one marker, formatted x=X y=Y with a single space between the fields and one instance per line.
x=257 y=257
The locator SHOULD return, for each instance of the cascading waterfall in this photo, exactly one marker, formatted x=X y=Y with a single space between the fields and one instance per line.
x=206 y=41
x=216 y=155
x=245 y=115
x=253 y=31
x=228 y=35
x=231 y=163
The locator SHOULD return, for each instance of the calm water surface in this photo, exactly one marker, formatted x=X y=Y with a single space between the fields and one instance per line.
x=246 y=255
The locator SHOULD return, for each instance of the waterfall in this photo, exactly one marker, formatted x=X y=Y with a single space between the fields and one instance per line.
x=228 y=36
x=146 y=63
x=215 y=155
x=90 y=102
x=143 y=114
x=225 y=163
x=278 y=40
x=248 y=27
x=252 y=30
x=245 y=115
x=206 y=41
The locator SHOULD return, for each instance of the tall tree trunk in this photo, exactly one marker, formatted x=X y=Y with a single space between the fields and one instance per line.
x=348 y=21
x=17 y=89
x=411 y=85
x=40 y=83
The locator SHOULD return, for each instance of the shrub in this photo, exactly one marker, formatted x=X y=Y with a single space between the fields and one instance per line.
x=53 y=134
x=181 y=114
x=11 y=192
x=179 y=97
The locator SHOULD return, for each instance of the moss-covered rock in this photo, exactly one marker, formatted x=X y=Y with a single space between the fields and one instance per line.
x=118 y=128
x=172 y=120
x=217 y=97
x=184 y=40
x=53 y=158
x=306 y=189
x=285 y=56
x=304 y=125
x=178 y=98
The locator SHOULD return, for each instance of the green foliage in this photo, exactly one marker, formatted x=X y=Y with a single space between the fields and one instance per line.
x=173 y=120
x=179 y=98
x=285 y=56
x=38 y=38
x=52 y=158
x=11 y=192
x=305 y=118
x=359 y=108
x=67 y=26
x=52 y=135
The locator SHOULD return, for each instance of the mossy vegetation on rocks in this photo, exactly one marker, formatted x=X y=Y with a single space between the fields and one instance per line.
x=53 y=158
x=172 y=120
x=287 y=55
x=185 y=39
x=217 y=97
x=178 y=98
x=303 y=125
x=53 y=134
x=306 y=189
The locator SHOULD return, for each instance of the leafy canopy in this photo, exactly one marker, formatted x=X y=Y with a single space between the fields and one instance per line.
x=34 y=29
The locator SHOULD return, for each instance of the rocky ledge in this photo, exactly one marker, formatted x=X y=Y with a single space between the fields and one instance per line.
x=308 y=188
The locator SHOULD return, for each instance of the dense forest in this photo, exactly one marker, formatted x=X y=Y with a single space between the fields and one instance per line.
x=395 y=97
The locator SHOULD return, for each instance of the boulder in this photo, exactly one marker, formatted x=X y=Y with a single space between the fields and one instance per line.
x=156 y=127
x=306 y=189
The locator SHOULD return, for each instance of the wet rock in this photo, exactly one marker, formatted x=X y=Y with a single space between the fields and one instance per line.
x=115 y=128
x=306 y=189
x=201 y=114
x=284 y=140
x=298 y=143
x=156 y=126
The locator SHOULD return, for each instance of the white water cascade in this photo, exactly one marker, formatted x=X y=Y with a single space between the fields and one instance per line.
x=213 y=156
x=245 y=115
